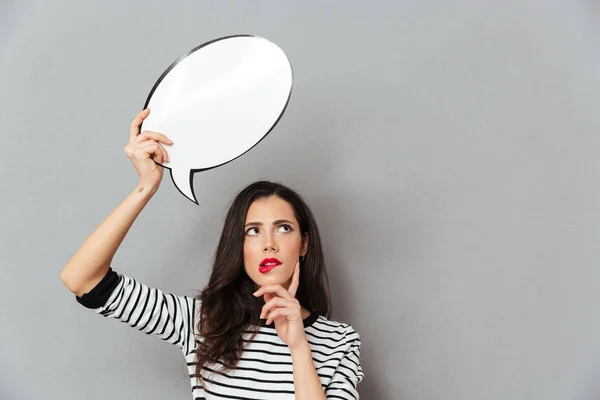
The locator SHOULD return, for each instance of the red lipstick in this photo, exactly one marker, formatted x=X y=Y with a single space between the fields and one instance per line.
x=268 y=264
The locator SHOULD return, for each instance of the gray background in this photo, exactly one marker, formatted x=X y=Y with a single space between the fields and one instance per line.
x=449 y=150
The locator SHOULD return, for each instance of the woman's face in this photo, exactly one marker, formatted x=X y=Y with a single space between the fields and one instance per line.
x=273 y=242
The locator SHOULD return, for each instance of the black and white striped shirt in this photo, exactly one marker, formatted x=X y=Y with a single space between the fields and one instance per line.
x=265 y=368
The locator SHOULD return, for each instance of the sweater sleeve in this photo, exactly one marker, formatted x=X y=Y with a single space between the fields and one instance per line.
x=349 y=373
x=147 y=309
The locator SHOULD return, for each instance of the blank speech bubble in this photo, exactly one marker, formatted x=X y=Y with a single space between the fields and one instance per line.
x=217 y=102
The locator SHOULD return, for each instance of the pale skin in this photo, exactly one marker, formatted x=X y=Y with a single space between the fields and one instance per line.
x=91 y=261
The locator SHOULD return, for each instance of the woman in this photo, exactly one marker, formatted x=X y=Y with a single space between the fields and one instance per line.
x=260 y=328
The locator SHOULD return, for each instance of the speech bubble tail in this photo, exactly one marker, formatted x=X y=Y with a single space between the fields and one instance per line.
x=182 y=178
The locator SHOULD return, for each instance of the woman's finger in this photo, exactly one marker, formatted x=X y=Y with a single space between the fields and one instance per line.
x=135 y=124
x=295 y=280
x=275 y=302
x=148 y=149
x=164 y=154
x=268 y=297
x=153 y=147
x=277 y=289
x=279 y=312
x=159 y=137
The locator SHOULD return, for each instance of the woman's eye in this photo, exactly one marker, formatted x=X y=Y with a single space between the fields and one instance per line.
x=287 y=228
x=252 y=231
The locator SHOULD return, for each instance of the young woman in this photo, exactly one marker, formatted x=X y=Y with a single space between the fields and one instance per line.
x=260 y=327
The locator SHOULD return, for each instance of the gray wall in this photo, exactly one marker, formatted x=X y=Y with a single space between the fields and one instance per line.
x=449 y=149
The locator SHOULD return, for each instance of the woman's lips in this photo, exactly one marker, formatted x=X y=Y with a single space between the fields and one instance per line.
x=268 y=264
x=266 y=268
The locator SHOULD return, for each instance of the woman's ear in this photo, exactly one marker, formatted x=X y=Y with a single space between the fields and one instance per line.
x=304 y=248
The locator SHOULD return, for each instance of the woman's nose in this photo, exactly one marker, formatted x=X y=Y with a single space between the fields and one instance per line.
x=270 y=245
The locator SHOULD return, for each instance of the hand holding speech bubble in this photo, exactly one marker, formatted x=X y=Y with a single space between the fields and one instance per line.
x=217 y=102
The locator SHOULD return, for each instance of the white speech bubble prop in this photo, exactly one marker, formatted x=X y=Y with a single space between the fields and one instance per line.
x=217 y=102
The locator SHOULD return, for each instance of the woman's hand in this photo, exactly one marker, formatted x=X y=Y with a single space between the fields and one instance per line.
x=142 y=147
x=282 y=307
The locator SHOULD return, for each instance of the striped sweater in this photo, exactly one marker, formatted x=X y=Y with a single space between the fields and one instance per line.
x=265 y=368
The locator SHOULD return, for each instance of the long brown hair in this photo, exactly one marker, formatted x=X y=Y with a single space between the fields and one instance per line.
x=228 y=308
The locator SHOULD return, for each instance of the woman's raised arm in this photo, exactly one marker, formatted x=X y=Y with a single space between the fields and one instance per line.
x=92 y=260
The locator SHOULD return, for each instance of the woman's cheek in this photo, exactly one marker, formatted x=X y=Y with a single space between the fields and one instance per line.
x=292 y=245
x=249 y=253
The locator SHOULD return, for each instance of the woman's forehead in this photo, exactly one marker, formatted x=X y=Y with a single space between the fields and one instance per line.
x=270 y=209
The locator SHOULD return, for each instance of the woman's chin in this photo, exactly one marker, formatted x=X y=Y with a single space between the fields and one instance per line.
x=270 y=279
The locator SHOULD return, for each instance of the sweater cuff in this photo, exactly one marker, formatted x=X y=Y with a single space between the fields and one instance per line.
x=99 y=295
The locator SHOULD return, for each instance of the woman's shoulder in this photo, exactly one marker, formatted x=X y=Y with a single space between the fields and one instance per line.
x=333 y=329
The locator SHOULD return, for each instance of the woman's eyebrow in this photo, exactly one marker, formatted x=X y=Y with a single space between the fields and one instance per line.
x=279 y=221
